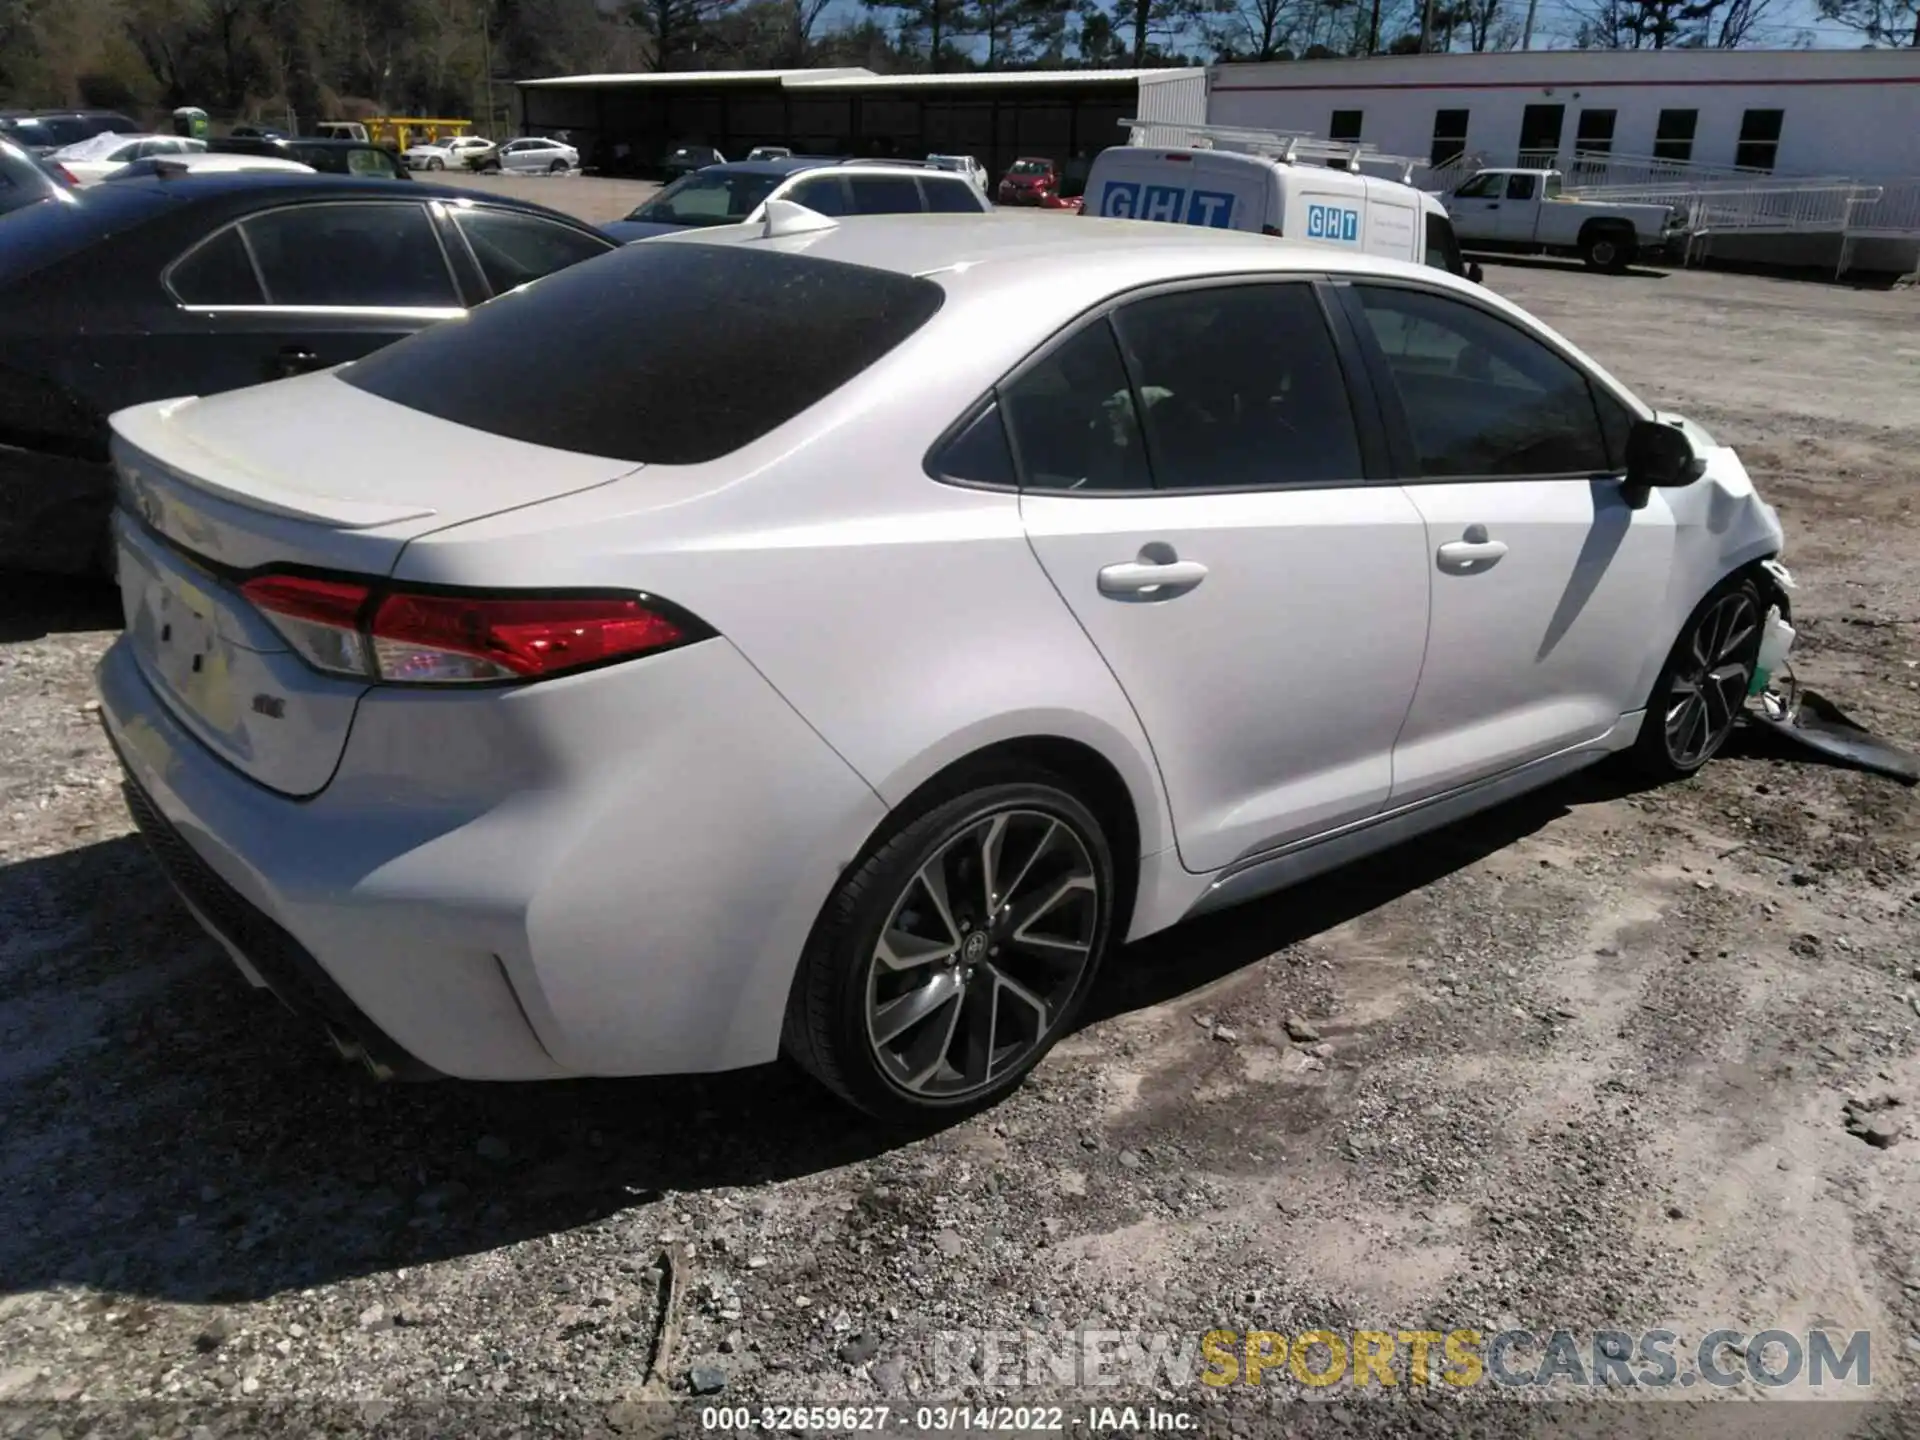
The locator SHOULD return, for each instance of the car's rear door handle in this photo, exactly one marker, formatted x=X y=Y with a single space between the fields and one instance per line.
x=1471 y=556
x=1150 y=579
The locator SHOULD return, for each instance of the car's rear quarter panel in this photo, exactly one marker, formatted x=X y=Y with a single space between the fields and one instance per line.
x=906 y=619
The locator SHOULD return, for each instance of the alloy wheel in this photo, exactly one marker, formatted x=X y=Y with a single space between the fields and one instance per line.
x=1710 y=682
x=981 y=953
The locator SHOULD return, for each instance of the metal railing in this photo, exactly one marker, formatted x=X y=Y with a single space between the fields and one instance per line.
x=1594 y=174
x=1789 y=210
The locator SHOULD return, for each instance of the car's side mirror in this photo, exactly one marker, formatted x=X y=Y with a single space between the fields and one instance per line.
x=1475 y=273
x=1660 y=457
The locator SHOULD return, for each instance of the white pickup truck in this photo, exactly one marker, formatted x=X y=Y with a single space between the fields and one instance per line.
x=1528 y=211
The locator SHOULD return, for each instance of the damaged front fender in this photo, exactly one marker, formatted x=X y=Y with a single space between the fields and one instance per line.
x=1721 y=526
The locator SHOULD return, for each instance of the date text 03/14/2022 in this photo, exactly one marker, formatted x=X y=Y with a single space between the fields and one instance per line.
x=935 y=1419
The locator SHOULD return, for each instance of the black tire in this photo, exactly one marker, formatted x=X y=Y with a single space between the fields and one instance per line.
x=436 y=163
x=834 y=1007
x=558 y=167
x=1720 y=639
x=1608 y=249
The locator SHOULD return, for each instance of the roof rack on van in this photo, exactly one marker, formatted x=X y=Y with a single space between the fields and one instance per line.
x=1275 y=144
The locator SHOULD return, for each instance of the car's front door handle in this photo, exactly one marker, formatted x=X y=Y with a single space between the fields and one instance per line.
x=1470 y=557
x=1151 y=580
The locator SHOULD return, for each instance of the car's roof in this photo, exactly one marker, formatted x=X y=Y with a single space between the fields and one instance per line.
x=1067 y=254
x=780 y=165
x=320 y=186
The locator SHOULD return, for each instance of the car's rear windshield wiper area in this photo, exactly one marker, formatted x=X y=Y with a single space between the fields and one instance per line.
x=659 y=353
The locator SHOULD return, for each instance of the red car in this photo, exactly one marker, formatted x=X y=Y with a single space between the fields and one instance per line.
x=1032 y=182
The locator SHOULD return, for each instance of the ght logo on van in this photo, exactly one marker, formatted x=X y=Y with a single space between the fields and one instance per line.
x=1333 y=222
x=1131 y=200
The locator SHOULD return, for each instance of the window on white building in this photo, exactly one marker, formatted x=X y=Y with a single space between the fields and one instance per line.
x=1540 y=135
x=1594 y=134
x=1759 y=139
x=1673 y=137
x=1449 y=136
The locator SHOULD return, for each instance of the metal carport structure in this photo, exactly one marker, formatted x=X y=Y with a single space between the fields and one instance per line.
x=627 y=123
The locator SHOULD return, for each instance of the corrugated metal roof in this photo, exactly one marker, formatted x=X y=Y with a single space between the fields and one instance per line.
x=855 y=78
x=1014 y=79
x=699 y=77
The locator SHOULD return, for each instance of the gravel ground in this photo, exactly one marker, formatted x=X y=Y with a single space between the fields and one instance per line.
x=588 y=197
x=1581 y=1063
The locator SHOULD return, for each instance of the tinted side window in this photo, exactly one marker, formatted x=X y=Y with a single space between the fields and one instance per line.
x=1616 y=423
x=1241 y=386
x=673 y=354
x=1482 y=397
x=218 y=272
x=1072 y=418
x=951 y=197
x=979 y=453
x=1480 y=187
x=1443 y=247
x=822 y=194
x=365 y=254
x=1519 y=187
x=513 y=249
x=368 y=162
x=884 y=194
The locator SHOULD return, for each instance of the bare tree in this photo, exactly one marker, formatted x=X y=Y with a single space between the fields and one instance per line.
x=1647 y=24
x=1257 y=29
x=1883 y=22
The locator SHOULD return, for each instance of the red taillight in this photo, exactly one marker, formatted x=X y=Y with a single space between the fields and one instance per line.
x=302 y=597
x=448 y=638
x=445 y=637
x=65 y=174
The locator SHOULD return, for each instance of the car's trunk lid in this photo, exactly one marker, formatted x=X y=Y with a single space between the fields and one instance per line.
x=212 y=490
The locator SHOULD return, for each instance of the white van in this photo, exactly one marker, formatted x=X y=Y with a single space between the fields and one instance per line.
x=1273 y=187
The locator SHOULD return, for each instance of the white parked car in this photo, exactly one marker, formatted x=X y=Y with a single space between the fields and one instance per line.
x=906 y=613
x=965 y=165
x=533 y=155
x=90 y=161
x=221 y=163
x=449 y=154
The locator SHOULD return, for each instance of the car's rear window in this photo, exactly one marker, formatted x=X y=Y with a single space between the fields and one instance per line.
x=658 y=353
x=41 y=235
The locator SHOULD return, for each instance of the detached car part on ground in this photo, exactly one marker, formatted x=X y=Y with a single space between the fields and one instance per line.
x=148 y=286
x=897 y=616
x=1526 y=212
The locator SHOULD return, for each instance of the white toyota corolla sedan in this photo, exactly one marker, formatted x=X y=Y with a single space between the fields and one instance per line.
x=869 y=626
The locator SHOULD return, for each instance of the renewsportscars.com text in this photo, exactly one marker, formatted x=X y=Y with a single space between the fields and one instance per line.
x=1385 y=1359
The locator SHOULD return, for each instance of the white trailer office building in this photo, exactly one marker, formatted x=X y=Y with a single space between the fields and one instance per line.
x=1853 y=113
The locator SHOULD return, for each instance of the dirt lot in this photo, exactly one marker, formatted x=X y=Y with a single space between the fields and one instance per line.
x=588 y=196
x=1580 y=1064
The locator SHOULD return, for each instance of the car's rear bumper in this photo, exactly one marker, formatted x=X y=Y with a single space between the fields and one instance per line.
x=610 y=874
x=53 y=512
